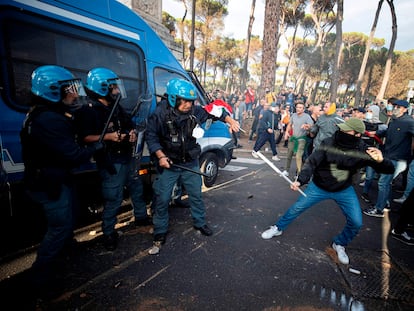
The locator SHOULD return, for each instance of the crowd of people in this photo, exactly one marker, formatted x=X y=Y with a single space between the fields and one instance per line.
x=376 y=139
x=331 y=147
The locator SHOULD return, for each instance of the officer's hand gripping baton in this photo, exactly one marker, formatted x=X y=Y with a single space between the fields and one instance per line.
x=118 y=98
x=277 y=170
x=190 y=170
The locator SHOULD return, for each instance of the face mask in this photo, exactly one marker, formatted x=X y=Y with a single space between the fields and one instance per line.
x=396 y=113
x=368 y=116
x=390 y=107
x=346 y=140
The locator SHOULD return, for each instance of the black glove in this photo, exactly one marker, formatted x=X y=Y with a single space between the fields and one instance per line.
x=98 y=146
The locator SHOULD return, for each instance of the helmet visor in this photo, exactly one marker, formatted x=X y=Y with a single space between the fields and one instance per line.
x=117 y=84
x=73 y=87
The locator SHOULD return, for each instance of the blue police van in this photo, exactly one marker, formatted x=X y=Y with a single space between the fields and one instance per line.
x=80 y=35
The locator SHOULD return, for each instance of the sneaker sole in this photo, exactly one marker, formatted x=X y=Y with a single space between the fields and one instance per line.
x=268 y=238
x=402 y=240
x=374 y=215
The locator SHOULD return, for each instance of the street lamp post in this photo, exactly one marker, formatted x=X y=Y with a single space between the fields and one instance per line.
x=192 y=47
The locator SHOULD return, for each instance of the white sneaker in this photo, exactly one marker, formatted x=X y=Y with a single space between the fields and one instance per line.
x=271 y=232
x=340 y=251
x=254 y=154
x=275 y=158
x=285 y=172
x=400 y=200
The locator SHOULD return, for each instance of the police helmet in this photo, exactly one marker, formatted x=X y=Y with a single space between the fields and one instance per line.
x=101 y=80
x=50 y=81
x=179 y=88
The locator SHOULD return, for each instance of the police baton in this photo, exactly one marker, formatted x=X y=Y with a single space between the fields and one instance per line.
x=118 y=98
x=277 y=170
x=190 y=170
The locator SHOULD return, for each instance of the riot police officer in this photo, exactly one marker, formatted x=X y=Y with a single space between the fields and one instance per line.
x=116 y=166
x=171 y=138
x=50 y=152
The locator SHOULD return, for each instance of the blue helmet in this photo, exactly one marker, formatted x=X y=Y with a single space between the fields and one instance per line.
x=179 y=88
x=100 y=80
x=48 y=82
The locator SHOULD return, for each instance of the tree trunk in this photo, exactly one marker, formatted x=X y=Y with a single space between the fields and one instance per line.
x=249 y=34
x=366 y=54
x=335 y=73
x=290 y=51
x=270 y=42
x=387 y=70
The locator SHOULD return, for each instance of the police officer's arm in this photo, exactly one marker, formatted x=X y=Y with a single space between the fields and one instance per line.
x=202 y=115
x=154 y=129
x=234 y=125
x=114 y=136
x=89 y=128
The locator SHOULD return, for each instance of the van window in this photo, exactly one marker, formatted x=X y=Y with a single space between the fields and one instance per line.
x=161 y=78
x=35 y=43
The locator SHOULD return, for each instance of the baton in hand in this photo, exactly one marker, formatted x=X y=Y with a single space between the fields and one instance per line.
x=190 y=170
x=118 y=98
x=277 y=171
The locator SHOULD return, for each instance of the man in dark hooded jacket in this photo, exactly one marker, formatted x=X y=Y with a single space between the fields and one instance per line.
x=331 y=167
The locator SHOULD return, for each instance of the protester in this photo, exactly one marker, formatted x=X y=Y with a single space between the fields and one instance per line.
x=117 y=166
x=406 y=218
x=299 y=125
x=326 y=124
x=265 y=131
x=171 y=138
x=397 y=148
x=250 y=100
x=50 y=152
x=270 y=96
x=256 y=115
x=329 y=171
x=410 y=184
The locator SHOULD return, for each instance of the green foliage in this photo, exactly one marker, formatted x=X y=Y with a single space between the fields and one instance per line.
x=219 y=59
x=169 y=22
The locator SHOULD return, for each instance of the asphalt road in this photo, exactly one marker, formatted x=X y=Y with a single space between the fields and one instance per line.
x=235 y=269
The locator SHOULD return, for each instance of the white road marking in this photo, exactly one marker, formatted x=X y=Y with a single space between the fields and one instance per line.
x=247 y=160
x=233 y=168
x=236 y=168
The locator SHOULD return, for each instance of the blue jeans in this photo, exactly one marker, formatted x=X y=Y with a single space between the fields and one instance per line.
x=262 y=138
x=347 y=201
x=113 y=194
x=410 y=180
x=59 y=215
x=163 y=186
x=369 y=178
x=384 y=184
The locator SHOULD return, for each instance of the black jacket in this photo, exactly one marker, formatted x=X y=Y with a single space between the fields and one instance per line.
x=49 y=148
x=170 y=131
x=333 y=164
x=91 y=120
x=399 y=137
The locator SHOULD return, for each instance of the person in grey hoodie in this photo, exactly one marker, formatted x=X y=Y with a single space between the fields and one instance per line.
x=326 y=125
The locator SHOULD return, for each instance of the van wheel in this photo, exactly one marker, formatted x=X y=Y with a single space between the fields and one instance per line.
x=209 y=166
